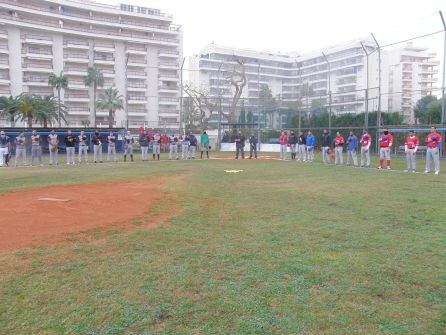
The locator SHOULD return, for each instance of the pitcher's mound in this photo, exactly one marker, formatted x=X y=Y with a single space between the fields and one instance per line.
x=29 y=216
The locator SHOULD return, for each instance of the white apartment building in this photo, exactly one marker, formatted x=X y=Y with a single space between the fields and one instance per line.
x=136 y=48
x=411 y=73
x=343 y=71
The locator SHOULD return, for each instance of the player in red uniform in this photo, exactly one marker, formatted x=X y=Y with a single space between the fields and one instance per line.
x=339 y=148
x=385 y=144
x=411 y=147
x=365 y=142
x=433 y=142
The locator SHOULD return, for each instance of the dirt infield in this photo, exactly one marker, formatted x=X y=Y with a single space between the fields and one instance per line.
x=46 y=214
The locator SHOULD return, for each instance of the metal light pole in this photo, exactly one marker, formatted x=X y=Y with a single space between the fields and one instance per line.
x=329 y=92
x=181 y=97
x=378 y=114
x=366 y=116
x=126 y=92
x=219 y=107
x=300 y=109
x=258 y=107
x=444 y=70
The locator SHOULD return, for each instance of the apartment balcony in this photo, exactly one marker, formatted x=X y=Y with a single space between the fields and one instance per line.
x=134 y=50
x=136 y=75
x=5 y=92
x=107 y=73
x=136 y=100
x=38 y=54
x=4 y=79
x=75 y=71
x=77 y=85
x=168 y=101
x=430 y=62
x=406 y=79
x=76 y=58
x=35 y=80
x=433 y=71
x=141 y=112
x=37 y=39
x=428 y=80
x=3 y=35
x=104 y=47
x=168 y=77
x=73 y=44
x=38 y=67
x=168 y=89
x=168 y=112
x=76 y=97
x=78 y=110
x=104 y=60
x=4 y=49
x=168 y=65
x=4 y=64
x=168 y=53
x=136 y=87
x=137 y=62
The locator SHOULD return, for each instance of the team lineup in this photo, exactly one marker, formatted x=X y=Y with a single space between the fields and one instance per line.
x=301 y=148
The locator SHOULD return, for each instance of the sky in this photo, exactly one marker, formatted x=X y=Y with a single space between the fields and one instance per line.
x=291 y=25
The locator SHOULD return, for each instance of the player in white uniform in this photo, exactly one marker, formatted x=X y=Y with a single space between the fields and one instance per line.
x=20 y=149
x=53 y=146
x=36 y=148
x=82 y=139
x=128 y=145
x=111 y=150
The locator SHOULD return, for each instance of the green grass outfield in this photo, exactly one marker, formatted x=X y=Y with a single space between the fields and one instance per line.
x=281 y=248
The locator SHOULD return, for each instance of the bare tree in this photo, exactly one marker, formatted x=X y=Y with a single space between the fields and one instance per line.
x=238 y=80
x=200 y=100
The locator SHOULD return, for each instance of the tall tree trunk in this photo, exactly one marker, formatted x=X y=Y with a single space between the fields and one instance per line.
x=30 y=121
x=58 y=110
x=12 y=120
x=45 y=124
x=110 y=119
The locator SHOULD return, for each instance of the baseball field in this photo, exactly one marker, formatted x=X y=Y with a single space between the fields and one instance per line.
x=184 y=247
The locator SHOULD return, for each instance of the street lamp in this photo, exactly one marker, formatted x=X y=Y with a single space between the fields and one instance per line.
x=329 y=92
x=219 y=106
x=366 y=116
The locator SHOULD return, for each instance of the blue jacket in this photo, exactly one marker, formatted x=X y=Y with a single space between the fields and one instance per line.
x=352 y=142
x=310 y=140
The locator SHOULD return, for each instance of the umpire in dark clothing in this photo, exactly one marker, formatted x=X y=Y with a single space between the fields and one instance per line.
x=240 y=145
x=253 y=146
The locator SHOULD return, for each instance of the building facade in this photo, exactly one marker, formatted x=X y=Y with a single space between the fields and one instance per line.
x=348 y=74
x=411 y=76
x=137 y=49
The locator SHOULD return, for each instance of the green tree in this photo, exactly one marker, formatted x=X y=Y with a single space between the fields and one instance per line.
x=9 y=107
x=111 y=101
x=58 y=82
x=95 y=79
x=191 y=114
x=428 y=110
x=28 y=108
x=250 y=118
x=49 y=110
x=268 y=103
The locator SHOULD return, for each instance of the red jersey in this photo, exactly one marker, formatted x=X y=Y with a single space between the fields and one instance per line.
x=365 y=139
x=412 y=142
x=339 y=141
x=283 y=139
x=385 y=141
x=433 y=140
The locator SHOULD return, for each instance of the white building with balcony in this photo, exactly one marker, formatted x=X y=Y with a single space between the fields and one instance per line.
x=136 y=48
x=345 y=71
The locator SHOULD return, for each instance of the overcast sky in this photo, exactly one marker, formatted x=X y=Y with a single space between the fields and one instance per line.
x=293 y=25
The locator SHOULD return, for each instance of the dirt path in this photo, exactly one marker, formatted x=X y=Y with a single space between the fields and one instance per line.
x=26 y=218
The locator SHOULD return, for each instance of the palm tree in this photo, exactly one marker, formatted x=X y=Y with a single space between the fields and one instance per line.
x=28 y=107
x=9 y=107
x=58 y=82
x=49 y=111
x=94 y=78
x=111 y=101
